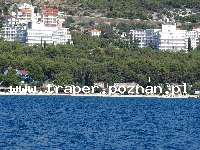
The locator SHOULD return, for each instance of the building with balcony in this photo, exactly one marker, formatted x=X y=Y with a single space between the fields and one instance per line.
x=24 y=13
x=171 y=38
x=39 y=33
x=49 y=16
x=144 y=37
x=14 y=33
x=10 y=21
x=167 y=38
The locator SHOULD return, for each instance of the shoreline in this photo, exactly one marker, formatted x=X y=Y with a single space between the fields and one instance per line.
x=99 y=95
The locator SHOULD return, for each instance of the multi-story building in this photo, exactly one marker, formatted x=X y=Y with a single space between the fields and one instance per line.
x=38 y=33
x=193 y=35
x=140 y=35
x=13 y=33
x=25 y=13
x=49 y=16
x=49 y=30
x=10 y=21
x=167 y=38
x=170 y=38
x=144 y=37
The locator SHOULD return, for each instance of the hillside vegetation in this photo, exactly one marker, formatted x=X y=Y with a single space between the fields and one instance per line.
x=86 y=63
x=180 y=10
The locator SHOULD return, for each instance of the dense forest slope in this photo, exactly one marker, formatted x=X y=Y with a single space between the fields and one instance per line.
x=85 y=63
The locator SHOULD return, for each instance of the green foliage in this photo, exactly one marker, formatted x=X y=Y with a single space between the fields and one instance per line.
x=69 y=20
x=191 y=18
x=15 y=8
x=139 y=9
x=93 y=59
x=63 y=78
x=71 y=12
x=36 y=10
x=11 y=79
x=189 y=44
x=86 y=13
x=196 y=85
x=5 y=10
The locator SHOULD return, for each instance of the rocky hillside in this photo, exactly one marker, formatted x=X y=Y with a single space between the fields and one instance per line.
x=181 y=11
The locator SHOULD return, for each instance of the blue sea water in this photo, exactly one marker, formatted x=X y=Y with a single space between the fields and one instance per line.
x=64 y=122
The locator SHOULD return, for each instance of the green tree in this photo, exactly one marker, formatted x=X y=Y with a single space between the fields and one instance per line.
x=11 y=79
x=189 y=44
x=86 y=13
x=63 y=78
x=36 y=10
x=151 y=44
x=14 y=8
x=196 y=85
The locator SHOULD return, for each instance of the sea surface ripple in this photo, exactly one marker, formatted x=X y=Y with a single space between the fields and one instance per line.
x=64 y=122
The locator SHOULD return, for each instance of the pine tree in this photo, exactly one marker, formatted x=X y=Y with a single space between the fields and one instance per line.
x=41 y=41
x=189 y=44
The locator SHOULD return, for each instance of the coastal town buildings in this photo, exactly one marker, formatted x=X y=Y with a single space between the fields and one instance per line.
x=38 y=33
x=167 y=38
x=25 y=26
x=32 y=28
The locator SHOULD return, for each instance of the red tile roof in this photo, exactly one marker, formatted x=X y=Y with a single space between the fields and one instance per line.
x=77 y=31
x=50 y=25
x=23 y=72
x=49 y=9
x=95 y=30
x=196 y=27
x=25 y=10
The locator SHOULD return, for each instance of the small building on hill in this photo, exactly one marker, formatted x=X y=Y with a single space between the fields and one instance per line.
x=25 y=77
x=94 y=32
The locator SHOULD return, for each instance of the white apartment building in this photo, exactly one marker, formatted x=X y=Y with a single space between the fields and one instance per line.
x=38 y=32
x=167 y=38
x=193 y=35
x=140 y=35
x=49 y=16
x=13 y=33
x=94 y=32
x=25 y=13
x=143 y=36
x=197 y=29
x=10 y=21
x=170 y=38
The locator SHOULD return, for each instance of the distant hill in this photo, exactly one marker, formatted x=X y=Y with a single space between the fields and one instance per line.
x=179 y=10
